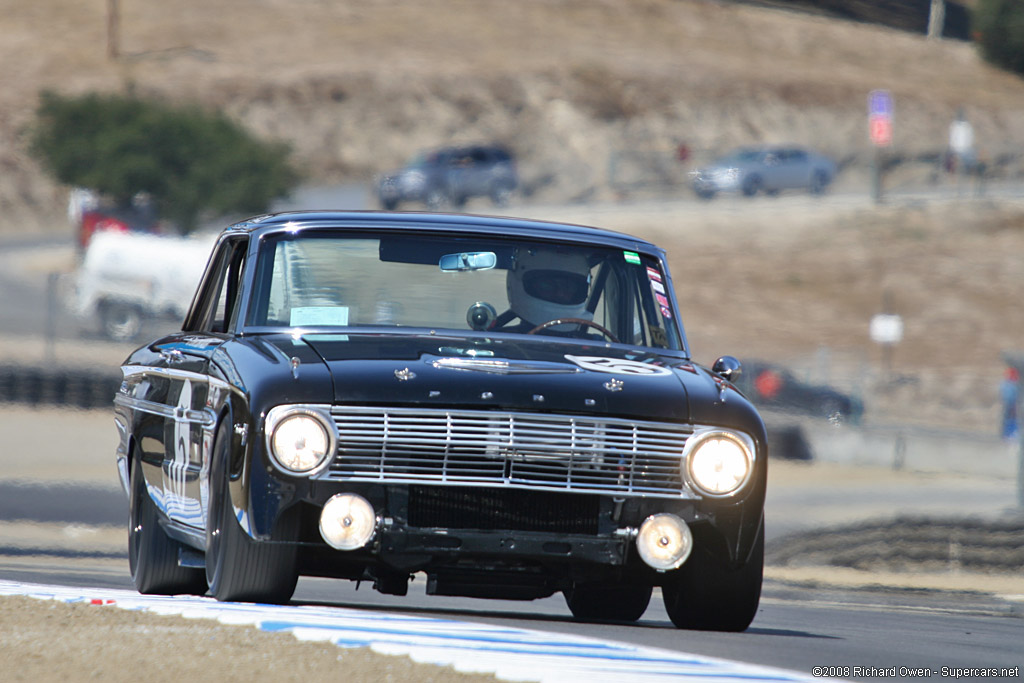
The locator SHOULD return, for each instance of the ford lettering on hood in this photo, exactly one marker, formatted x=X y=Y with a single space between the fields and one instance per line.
x=506 y=375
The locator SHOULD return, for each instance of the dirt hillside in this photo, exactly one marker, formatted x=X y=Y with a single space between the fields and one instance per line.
x=595 y=96
x=797 y=281
x=573 y=86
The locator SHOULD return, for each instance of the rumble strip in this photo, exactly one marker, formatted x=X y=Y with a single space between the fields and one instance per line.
x=509 y=653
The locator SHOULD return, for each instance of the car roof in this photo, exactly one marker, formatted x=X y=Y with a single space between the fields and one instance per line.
x=438 y=152
x=300 y=221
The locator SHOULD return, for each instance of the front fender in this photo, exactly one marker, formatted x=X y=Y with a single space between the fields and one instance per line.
x=261 y=376
x=259 y=495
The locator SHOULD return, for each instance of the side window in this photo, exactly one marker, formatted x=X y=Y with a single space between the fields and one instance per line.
x=216 y=309
x=230 y=293
x=654 y=310
x=479 y=157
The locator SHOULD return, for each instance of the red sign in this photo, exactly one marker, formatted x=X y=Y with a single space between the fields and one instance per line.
x=880 y=129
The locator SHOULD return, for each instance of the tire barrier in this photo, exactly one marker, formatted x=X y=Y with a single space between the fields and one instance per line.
x=908 y=543
x=32 y=385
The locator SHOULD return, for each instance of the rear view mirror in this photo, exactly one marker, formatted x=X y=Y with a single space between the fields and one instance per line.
x=728 y=367
x=476 y=260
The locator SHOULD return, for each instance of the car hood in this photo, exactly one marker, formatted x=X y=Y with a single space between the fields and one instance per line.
x=404 y=172
x=542 y=375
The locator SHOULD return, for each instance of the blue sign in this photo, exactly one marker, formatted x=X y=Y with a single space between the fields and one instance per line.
x=880 y=103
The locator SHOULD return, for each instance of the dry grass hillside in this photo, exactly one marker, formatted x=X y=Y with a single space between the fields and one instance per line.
x=798 y=283
x=356 y=86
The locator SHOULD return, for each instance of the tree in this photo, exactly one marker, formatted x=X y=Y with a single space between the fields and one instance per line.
x=999 y=29
x=188 y=160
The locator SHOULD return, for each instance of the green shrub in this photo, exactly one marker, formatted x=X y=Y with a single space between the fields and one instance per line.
x=998 y=26
x=190 y=161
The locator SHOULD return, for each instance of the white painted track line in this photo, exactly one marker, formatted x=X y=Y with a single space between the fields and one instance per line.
x=511 y=654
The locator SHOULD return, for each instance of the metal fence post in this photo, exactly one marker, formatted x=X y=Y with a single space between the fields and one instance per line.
x=1020 y=472
x=50 y=353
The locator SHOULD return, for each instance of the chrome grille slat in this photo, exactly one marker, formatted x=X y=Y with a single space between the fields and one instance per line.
x=508 y=449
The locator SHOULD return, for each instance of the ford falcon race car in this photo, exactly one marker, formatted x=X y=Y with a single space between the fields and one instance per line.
x=506 y=408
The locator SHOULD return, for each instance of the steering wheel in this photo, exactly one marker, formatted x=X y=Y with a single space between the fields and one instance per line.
x=576 y=321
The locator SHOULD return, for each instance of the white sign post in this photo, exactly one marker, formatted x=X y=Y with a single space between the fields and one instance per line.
x=961 y=145
x=887 y=330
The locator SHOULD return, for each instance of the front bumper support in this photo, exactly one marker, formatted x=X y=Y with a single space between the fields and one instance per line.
x=410 y=547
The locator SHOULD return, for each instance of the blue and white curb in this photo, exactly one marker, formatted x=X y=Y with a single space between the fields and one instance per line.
x=511 y=654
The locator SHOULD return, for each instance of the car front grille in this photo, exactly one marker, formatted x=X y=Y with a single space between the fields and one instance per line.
x=524 y=450
x=463 y=507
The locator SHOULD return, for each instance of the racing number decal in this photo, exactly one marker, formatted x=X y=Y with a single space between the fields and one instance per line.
x=618 y=366
x=179 y=466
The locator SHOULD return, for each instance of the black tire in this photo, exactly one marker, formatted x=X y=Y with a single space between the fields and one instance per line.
x=819 y=183
x=608 y=602
x=238 y=568
x=389 y=204
x=434 y=200
x=500 y=195
x=152 y=555
x=751 y=186
x=121 y=322
x=704 y=594
x=705 y=194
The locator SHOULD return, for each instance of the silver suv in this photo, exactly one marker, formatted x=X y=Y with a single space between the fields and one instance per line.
x=451 y=176
x=767 y=169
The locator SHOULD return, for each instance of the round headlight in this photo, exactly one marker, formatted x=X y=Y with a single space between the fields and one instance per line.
x=300 y=440
x=719 y=463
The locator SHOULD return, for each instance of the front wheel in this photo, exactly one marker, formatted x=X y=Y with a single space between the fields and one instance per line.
x=608 y=602
x=500 y=195
x=434 y=200
x=819 y=183
x=120 y=321
x=705 y=594
x=751 y=186
x=237 y=567
x=152 y=555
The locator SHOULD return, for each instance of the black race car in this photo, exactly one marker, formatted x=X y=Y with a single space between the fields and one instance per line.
x=774 y=387
x=507 y=407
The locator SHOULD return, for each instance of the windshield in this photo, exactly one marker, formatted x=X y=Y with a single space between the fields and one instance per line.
x=740 y=156
x=419 y=160
x=463 y=283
